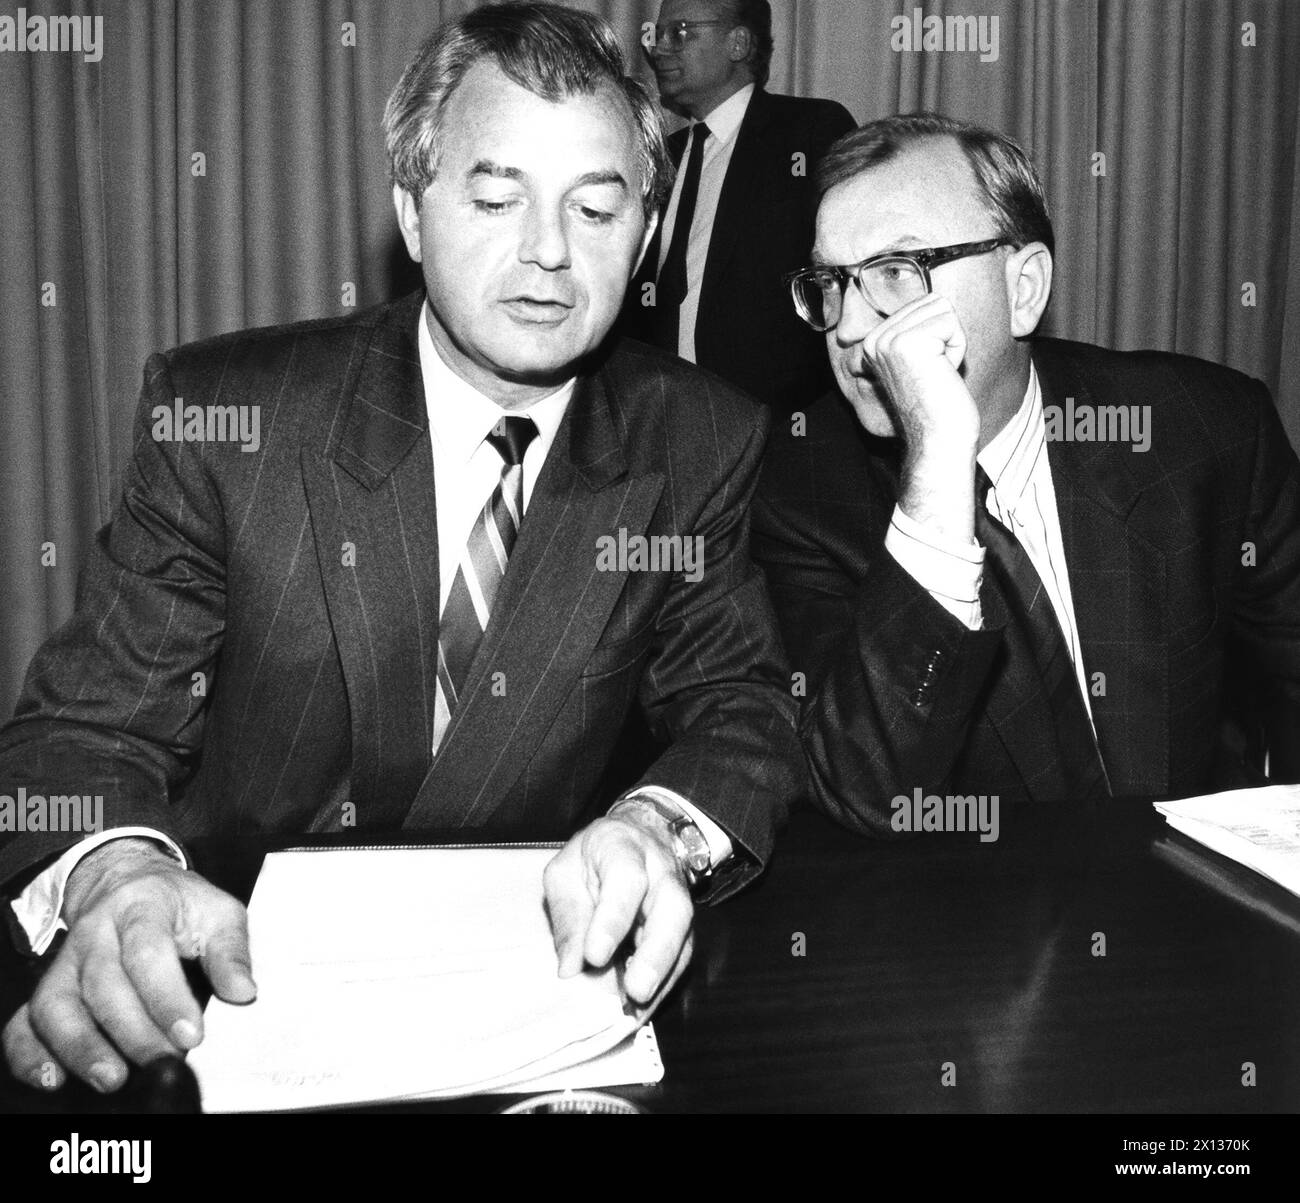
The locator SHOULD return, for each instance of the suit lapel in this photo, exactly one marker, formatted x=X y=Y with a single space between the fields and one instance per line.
x=1118 y=588
x=370 y=490
x=549 y=614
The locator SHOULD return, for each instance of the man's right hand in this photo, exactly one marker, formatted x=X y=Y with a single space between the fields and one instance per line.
x=916 y=354
x=115 y=991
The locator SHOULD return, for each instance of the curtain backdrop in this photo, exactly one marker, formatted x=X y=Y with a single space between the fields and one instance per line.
x=222 y=165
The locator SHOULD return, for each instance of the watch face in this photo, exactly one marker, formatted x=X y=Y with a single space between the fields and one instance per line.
x=695 y=848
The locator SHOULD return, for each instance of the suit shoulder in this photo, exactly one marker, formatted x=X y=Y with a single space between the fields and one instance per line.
x=649 y=383
x=811 y=111
x=1224 y=399
x=267 y=346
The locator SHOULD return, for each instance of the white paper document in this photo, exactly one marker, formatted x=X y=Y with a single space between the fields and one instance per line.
x=388 y=974
x=1260 y=828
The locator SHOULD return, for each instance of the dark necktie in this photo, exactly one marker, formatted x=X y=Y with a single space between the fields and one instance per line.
x=481 y=569
x=1031 y=609
x=670 y=287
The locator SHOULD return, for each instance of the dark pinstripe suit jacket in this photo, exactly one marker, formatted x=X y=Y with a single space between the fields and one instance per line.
x=321 y=663
x=901 y=695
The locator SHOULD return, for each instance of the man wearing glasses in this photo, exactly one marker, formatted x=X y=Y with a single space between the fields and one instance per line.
x=741 y=211
x=983 y=602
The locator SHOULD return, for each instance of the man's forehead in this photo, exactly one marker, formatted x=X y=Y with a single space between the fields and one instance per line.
x=692 y=10
x=925 y=189
x=489 y=109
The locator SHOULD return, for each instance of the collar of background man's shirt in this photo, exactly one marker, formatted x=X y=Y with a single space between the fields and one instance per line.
x=724 y=121
x=461 y=417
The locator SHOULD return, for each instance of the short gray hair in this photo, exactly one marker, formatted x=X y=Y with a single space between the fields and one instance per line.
x=1012 y=191
x=552 y=51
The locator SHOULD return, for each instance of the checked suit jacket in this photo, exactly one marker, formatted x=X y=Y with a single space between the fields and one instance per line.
x=302 y=582
x=1183 y=562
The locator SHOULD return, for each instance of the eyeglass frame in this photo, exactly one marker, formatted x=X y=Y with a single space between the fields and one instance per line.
x=682 y=27
x=922 y=258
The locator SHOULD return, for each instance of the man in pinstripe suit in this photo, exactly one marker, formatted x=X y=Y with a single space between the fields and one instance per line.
x=397 y=608
x=988 y=597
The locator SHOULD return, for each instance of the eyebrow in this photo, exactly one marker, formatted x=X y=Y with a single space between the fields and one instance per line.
x=499 y=171
x=906 y=243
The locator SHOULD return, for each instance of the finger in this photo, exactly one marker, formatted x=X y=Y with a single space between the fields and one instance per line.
x=152 y=965
x=226 y=959
x=668 y=916
x=679 y=967
x=113 y=1001
x=61 y=1020
x=623 y=882
x=27 y=1057
x=570 y=906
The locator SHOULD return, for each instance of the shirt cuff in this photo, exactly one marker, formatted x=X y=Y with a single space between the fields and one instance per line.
x=948 y=569
x=719 y=841
x=39 y=908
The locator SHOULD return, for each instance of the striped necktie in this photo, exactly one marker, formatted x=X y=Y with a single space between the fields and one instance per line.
x=481 y=569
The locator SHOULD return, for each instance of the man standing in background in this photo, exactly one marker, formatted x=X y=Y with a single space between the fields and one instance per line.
x=742 y=209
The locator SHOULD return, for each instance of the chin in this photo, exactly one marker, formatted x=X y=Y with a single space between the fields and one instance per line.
x=871 y=412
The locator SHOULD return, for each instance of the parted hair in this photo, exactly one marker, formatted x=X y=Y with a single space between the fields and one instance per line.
x=552 y=51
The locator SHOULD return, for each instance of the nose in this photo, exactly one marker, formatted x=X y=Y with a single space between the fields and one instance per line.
x=544 y=238
x=858 y=317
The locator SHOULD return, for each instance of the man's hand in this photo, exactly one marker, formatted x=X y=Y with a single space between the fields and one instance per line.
x=620 y=875
x=116 y=988
x=916 y=355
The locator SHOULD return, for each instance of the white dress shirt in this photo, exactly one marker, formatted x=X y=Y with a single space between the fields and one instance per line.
x=1023 y=500
x=724 y=123
x=466 y=470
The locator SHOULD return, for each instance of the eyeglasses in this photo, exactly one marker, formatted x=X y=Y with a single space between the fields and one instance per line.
x=888 y=281
x=677 y=33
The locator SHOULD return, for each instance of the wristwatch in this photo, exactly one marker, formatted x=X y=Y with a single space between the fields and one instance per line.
x=689 y=844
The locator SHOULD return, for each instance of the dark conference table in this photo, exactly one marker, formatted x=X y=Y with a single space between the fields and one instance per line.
x=943 y=955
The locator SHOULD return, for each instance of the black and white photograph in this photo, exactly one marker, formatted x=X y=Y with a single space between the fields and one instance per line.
x=650 y=557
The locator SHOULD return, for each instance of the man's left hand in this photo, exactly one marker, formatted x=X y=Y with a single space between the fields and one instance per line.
x=618 y=876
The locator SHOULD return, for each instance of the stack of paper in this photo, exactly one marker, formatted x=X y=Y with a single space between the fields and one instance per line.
x=1260 y=828
x=388 y=974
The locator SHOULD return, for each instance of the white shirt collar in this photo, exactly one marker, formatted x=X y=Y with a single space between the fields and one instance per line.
x=461 y=417
x=724 y=121
x=1012 y=454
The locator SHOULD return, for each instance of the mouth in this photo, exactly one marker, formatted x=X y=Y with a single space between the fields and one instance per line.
x=537 y=311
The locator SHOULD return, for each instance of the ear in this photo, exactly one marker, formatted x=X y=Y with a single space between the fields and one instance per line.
x=739 y=44
x=1029 y=285
x=408 y=219
x=650 y=227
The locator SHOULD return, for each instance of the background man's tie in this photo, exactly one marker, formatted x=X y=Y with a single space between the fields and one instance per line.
x=1031 y=609
x=482 y=566
x=670 y=288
